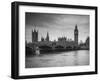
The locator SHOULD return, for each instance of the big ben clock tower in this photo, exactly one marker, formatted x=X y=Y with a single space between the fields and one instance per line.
x=76 y=35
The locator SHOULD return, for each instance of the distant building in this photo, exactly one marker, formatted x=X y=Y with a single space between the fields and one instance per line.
x=87 y=42
x=34 y=36
x=85 y=45
x=47 y=37
x=42 y=39
x=76 y=35
x=62 y=39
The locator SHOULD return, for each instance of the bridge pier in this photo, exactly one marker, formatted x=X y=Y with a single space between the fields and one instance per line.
x=37 y=51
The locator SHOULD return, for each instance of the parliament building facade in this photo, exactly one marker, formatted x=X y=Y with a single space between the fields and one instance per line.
x=61 y=42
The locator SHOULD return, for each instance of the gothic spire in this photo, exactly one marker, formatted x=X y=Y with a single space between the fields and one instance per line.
x=76 y=26
x=34 y=28
x=47 y=38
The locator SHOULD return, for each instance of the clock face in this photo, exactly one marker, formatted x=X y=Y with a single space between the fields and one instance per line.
x=76 y=32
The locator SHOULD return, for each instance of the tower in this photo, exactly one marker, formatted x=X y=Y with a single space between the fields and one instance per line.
x=34 y=35
x=76 y=35
x=42 y=39
x=47 y=38
x=87 y=42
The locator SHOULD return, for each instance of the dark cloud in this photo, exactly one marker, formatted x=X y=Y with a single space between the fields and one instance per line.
x=39 y=19
x=48 y=20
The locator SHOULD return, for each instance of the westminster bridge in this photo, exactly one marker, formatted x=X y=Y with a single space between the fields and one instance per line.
x=53 y=45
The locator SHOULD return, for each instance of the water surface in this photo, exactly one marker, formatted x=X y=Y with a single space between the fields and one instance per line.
x=71 y=58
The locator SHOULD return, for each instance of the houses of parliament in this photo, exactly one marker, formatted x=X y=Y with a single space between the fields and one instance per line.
x=62 y=41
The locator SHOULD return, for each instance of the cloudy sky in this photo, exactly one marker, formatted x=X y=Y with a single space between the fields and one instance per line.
x=58 y=25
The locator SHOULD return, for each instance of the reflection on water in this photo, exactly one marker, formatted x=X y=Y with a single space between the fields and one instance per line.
x=72 y=58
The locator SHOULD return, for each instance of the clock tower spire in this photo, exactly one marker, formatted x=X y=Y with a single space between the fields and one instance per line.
x=76 y=35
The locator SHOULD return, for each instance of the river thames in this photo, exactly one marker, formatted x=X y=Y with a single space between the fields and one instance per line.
x=69 y=58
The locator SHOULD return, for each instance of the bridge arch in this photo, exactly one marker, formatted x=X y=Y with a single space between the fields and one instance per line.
x=59 y=47
x=45 y=47
x=69 y=47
